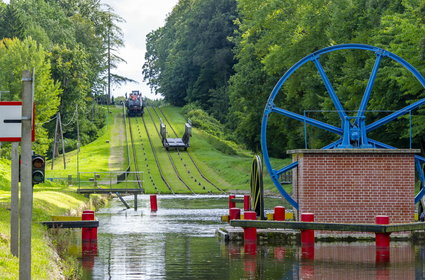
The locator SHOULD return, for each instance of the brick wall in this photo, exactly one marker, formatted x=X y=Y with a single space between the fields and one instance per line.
x=353 y=186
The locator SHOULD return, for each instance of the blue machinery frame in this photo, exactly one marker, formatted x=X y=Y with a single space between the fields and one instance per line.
x=354 y=130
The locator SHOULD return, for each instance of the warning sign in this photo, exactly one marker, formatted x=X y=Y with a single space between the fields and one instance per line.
x=10 y=121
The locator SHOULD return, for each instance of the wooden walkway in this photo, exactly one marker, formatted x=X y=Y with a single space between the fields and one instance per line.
x=329 y=226
x=71 y=224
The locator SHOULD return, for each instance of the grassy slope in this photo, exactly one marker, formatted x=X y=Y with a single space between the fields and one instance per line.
x=230 y=172
x=49 y=199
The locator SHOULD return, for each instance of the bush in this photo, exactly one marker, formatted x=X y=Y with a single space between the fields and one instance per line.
x=202 y=120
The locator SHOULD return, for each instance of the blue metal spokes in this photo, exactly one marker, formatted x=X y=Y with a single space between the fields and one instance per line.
x=332 y=145
x=331 y=91
x=369 y=87
x=308 y=120
x=421 y=176
x=275 y=178
x=353 y=130
x=394 y=115
x=286 y=168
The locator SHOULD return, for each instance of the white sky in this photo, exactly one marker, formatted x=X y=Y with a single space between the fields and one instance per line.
x=141 y=16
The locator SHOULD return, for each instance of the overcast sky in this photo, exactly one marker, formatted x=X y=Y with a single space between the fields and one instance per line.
x=141 y=16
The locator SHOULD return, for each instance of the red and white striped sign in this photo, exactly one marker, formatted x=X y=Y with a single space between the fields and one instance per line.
x=10 y=121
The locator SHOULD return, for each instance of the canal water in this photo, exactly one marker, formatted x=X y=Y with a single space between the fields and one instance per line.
x=179 y=242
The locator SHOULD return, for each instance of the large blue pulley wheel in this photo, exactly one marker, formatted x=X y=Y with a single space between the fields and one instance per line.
x=353 y=132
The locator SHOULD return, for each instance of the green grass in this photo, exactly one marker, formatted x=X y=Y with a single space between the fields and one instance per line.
x=229 y=172
x=50 y=198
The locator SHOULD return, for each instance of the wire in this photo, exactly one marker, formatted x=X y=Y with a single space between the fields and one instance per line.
x=72 y=119
x=39 y=124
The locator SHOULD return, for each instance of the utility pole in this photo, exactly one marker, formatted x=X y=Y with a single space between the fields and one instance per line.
x=26 y=178
x=14 y=201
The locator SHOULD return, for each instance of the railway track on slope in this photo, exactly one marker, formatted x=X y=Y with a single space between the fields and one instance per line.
x=148 y=169
x=187 y=152
x=136 y=167
x=161 y=173
x=168 y=154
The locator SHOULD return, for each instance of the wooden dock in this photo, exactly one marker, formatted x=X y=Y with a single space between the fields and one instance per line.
x=329 y=226
x=71 y=224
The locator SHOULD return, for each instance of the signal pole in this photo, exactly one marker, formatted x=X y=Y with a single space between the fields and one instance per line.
x=26 y=178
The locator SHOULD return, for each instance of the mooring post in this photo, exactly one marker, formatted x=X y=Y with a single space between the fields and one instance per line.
x=135 y=202
x=154 y=204
x=307 y=238
x=250 y=233
x=88 y=234
x=279 y=213
x=307 y=235
x=246 y=202
x=382 y=241
x=235 y=214
x=232 y=204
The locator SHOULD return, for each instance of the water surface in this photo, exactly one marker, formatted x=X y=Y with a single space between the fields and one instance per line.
x=178 y=242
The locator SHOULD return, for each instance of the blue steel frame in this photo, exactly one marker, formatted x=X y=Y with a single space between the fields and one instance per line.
x=353 y=130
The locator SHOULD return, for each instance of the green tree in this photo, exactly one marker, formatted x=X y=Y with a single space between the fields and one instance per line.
x=17 y=56
x=190 y=59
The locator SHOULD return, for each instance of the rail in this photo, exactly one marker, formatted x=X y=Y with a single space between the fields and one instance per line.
x=156 y=157
x=134 y=155
x=169 y=156
x=97 y=178
x=187 y=152
x=126 y=140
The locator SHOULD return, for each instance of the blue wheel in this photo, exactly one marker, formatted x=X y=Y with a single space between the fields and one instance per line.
x=353 y=132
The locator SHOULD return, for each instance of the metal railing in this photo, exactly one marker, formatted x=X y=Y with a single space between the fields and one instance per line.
x=109 y=178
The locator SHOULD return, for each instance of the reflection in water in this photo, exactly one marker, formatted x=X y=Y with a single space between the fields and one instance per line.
x=178 y=242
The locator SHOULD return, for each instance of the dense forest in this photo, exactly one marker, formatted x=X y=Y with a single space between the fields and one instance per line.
x=225 y=56
x=66 y=42
x=220 y=59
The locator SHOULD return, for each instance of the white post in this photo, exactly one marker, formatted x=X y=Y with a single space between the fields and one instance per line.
x=26 y=178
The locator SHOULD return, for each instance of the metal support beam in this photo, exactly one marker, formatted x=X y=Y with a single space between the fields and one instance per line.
x=122 y=200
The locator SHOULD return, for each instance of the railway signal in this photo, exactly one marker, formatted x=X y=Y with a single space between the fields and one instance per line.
x=38 y=165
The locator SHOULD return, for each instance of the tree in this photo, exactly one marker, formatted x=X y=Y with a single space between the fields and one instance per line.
x=17 y=56
x=190 y=59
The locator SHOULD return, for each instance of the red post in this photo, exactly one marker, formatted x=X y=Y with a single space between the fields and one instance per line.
x=235 y=214
x=307 y=235
x=231 y=203
x=246 y=202
x=279 y=213
x=382 y=241
x=250 y=233
x=88 y=234
x=154 y=203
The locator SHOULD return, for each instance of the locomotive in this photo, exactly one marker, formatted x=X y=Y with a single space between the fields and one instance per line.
x=134 y=104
